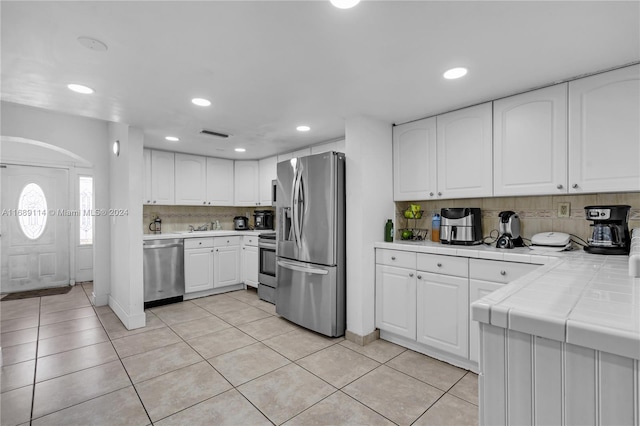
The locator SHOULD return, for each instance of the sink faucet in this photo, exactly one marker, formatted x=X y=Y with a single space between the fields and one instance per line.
x=190 y=228
x=202 y=227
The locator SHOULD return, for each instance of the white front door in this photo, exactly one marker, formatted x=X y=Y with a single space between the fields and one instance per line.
x=34 y=226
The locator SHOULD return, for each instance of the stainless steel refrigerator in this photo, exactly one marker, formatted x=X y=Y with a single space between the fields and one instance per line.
x=310 y=233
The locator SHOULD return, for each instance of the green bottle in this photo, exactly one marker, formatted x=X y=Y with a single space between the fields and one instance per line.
x=388 y=231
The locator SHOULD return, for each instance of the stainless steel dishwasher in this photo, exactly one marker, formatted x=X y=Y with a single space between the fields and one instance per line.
x=163 y=271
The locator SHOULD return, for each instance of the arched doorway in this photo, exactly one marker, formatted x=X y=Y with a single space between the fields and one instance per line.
x=42 y=221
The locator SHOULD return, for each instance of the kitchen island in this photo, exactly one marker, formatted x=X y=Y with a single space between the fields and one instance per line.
x=558 y=345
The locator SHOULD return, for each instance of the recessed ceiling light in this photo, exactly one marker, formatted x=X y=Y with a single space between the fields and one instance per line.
x=240 y=150
x=79 y=88
x=344 y=4
x=201 y=101
x=454 y=73
x=303 y=128
x=172 y=139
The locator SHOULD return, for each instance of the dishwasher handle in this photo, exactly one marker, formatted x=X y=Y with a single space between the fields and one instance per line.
x=159 y=246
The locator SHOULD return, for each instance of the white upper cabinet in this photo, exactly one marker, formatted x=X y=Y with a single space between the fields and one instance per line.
x=285 y=157
x=530 y=142
x=246 y=178
x=220 y=181
x=301 y=152
x=268 y=171
x=146 y=183
x=191 y=179
x=337 y=146
x=414 y=157
x=464 y=153
x=604 y=132
x=162 y=178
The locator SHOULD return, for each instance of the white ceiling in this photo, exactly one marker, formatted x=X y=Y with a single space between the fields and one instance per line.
x=269 y=66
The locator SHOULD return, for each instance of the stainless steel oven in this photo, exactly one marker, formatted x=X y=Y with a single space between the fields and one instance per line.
x=267 y=271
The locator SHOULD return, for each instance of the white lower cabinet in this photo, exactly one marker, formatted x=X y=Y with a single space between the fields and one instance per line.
x=250 y=261
x=198 y=264
x=226 y=261
x=396 y=300
x=423 y=300
x=443 y=312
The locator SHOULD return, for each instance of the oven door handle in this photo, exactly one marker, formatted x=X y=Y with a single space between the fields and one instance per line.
x=299 y=268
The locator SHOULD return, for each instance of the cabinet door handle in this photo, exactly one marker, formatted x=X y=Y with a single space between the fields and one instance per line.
x=204 y=202
x=439 y=194
x=154 y=201
x=393 y=258
x=411 y=275
x=559 y=186
x=217 y=250
x=439 y=265
x=503 y=272
x=419 y=277
x=148 y=201
x=575 y=186
x=431 y=194
x=199 y=244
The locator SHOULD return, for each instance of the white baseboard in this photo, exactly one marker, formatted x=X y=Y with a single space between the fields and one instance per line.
x=99 y=300
x=129 y=321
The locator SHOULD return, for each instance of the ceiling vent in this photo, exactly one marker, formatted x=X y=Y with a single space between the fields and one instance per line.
x=212 y=133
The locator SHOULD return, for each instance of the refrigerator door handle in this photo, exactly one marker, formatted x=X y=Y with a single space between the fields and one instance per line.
x=296 y=206
x=299 y=268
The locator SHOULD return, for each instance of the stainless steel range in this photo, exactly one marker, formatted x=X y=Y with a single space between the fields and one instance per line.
x=267 y=271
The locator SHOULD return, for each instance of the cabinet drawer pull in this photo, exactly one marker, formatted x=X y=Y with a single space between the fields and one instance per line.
x=431 y=194
x=439 y=265
x=419 y=277
x=503 y=272
x=204 y=202
x=575 y=186
x=393 y=258
x=559 y=186
x=439 y=193
x=199 y=244
x=411 y=275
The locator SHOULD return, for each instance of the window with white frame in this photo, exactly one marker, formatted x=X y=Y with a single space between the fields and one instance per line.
x=86 y=208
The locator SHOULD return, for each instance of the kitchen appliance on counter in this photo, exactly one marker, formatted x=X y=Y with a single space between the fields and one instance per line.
x=461 y=225
x=240 y=223
x=610 y=233
x=310 y=236
x=155 y=227
x=267 y=267
x=551 y=241
x=163 y=271
x=509 y=230
x=263 y=219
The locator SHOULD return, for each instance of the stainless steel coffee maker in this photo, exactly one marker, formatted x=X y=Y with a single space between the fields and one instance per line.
x=610 y=233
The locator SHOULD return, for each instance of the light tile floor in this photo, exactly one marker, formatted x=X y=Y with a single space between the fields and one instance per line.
x=224 y=359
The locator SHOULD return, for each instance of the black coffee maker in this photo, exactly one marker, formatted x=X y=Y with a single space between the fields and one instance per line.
x=610 y=234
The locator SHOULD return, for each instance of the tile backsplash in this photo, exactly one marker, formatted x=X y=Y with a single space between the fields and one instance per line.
x=537 y=214
x=178 y=218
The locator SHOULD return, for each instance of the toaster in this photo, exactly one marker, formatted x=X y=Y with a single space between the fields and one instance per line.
x=461 y=225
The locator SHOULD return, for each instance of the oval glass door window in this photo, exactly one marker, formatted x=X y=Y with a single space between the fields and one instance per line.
x=32 y=211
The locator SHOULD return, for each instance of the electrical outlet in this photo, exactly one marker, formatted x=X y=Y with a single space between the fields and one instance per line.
x=564 y=209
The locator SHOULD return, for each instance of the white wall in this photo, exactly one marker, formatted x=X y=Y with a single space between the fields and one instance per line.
x=369 y=181
x=86 y=138
x=127 y=294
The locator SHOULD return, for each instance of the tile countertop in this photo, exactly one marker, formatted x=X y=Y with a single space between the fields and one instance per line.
x=201 y=234
x=584 y=299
